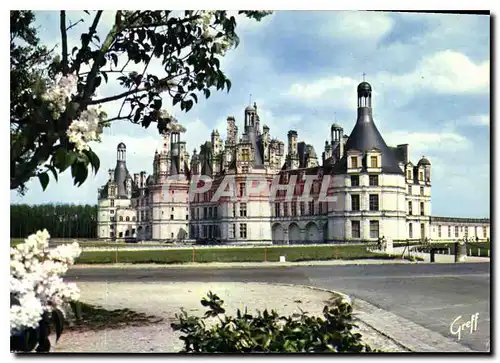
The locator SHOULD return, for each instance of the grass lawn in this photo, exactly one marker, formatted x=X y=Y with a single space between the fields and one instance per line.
x=254 y=254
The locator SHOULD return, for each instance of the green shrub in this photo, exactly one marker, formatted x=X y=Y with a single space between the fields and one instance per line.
x=268 y=332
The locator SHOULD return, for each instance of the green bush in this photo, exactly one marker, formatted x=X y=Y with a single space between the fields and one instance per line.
x=268 y=332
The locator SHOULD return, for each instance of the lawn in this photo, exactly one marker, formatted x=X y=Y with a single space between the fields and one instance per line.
x=254 y=254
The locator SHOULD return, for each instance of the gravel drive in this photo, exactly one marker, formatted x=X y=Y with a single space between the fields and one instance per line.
x=164 y=299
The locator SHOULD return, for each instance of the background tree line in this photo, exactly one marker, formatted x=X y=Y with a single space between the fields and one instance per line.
x=61 y=220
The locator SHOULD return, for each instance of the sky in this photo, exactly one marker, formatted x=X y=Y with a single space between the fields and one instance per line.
x=430 y=75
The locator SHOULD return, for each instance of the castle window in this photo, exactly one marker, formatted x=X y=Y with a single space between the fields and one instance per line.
x=408 y=174
x=243 y=210
x=242 y=189
x=422 y=191
x=354 y=162
x=302 y=208
x=439 y=231
x=121 y=218
x=355 y=229
x=420 y=176
x=112 y=211
x=422 y=210
x=373 y=162
x=285 y=209
x=204 y=212
x=209 y=212
x=355 y=202
x=475 y=231
x=485 y=232
x=112 y=203
x=243 y=230
x=215 y=212
x=320 y=208
x=171 y=217
x=449 y=231
x=276 y=209
x=410 y=230
x=410 y=209
x=456 y=231
x=374 y=202
x=127 y=219
x=294 y=209
x=245 y=154
x=244 y=169
x=311 y=207
x=409 y=189
x=187 y=217
x=374 y=229
x=373 y=180
x=355 y=180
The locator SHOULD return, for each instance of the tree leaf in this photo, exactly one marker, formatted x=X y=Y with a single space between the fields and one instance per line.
x=44 y=179
x=58 y=318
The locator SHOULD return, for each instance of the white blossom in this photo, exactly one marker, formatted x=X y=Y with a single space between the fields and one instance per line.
x=36 y=280
x=59 y=92
x=86 y=128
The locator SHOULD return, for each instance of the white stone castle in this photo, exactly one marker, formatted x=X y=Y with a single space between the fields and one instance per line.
x=374 y=190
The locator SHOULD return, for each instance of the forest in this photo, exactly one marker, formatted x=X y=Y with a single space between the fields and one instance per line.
x=61 y=220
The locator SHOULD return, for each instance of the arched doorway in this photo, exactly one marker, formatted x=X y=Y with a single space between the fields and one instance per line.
x=294 y=233
x=278 y=235
x=312 y=232
x=182 y=234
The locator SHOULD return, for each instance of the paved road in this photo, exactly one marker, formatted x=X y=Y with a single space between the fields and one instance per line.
x=432 y=295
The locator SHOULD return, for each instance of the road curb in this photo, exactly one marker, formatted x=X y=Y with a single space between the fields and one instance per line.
x=405 y=333
x=245 y=265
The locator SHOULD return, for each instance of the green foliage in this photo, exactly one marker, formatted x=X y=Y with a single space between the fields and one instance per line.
x=38 y=338
x=267 y=332
x=189 y=54
x=251 y=254
x=62 y=220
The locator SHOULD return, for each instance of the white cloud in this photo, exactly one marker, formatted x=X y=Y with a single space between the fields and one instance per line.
x=445 y=72
x=428 y=143
x=366 y=26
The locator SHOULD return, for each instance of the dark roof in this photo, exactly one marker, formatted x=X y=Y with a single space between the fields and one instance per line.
x=365 y=136
x=121 y=174
x=250 y=108
x=336 y=126
x=121 y=145
x=424 y=161
x=364 y=87
x=459 y=220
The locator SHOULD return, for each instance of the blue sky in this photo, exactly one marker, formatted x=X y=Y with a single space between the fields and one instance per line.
x=430 y=75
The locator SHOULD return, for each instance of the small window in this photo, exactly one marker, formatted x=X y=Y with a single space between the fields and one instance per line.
x=171 y=217
x=374 y=202
x=410 y=230
x=294 y=209
x=121 y=218
x=243 y=209
x=355 y=180
x=439 y=231
x=354 y=162
x=422 y=190
x=422 y=209
x=410 y=209
x=409 y=190
x=112 y=202
x=373 y=180
x=302 y=208
x=127 y=219
x=374 y=229
x=408 y=174
x=355 y=229
x=243 y=230
x=285 y=209
x=373 y=162
x=456 y=231
x=311 y=207
x=244 y=169
x=421 y=176
x=449 y=231
x=187 y=217
x=355 y=202
x=242 y=189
